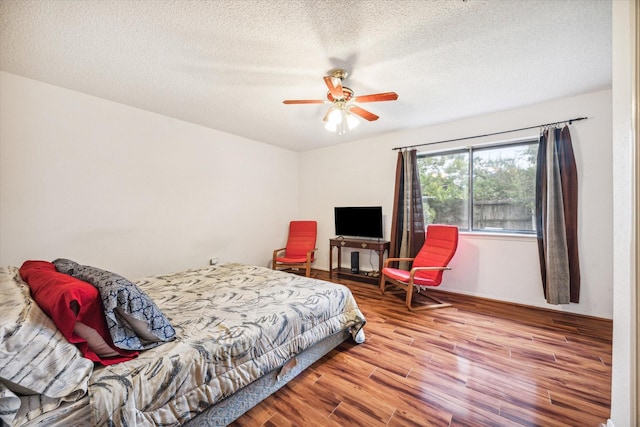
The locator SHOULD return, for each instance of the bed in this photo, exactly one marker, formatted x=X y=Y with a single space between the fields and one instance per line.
x=241 y=332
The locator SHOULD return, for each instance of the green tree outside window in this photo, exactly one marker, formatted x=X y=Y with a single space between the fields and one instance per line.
x=501 y=179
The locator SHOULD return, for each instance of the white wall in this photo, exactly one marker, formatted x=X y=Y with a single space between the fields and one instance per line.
x=624 y=398
x=499 y=267
x=124 y=189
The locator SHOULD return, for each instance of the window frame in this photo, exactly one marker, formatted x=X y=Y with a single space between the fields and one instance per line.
x=470 y=203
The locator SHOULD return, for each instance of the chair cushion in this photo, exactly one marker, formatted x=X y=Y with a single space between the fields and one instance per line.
x=292 y=260
x=403 y=276
x=439 y=247
x=302 y=238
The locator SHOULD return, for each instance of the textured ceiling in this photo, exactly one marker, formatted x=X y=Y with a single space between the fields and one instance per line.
x=229 y=64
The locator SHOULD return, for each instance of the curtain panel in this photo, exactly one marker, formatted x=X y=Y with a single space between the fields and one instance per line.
x=407 y=224
x=556 y=216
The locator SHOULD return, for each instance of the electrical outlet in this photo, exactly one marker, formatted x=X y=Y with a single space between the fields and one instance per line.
x=213 y=261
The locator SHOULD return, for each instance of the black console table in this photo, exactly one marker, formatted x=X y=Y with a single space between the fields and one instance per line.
x=373 y=245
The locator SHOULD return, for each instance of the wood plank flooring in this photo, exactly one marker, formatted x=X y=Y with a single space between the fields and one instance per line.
x=478 y=363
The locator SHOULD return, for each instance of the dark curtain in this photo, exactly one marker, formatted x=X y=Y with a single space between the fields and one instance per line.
x=407 y=224
x=557 y=217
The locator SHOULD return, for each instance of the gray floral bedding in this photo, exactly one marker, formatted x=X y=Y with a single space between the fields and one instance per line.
x=234 y=323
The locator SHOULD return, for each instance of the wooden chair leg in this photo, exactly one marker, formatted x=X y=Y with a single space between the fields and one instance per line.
x=438 y=303
x=409 y=295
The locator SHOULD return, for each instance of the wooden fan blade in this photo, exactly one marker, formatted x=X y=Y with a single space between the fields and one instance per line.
x=303 y=101
x=367 y=115
x=387 y=96
x=335 y=86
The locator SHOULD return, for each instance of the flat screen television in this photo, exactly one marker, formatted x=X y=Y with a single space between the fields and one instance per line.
x=359 y=221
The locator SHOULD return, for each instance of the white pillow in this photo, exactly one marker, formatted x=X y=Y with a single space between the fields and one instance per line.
x=95 y=341
x=36 y=357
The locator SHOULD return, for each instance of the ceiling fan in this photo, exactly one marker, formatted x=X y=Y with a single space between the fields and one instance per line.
x=339 y=117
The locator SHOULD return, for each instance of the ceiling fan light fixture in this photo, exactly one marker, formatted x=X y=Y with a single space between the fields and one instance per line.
x=335 y=117
x=331 y=127
x=341 y=121
x=352 y=121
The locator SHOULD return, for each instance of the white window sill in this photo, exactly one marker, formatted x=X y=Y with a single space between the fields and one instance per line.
x=485 y=235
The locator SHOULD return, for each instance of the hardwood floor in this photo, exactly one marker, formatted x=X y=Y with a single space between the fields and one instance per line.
x=478 y=363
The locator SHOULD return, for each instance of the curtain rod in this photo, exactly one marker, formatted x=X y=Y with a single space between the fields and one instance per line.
x=570 y=121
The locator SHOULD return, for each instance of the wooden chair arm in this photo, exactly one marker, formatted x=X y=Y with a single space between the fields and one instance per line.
x=416 y=269
x=388 y=260
x=430 y=268
x=275 y=252
x=309 y=253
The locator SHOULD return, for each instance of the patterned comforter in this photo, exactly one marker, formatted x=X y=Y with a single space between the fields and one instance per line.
x=235 y=323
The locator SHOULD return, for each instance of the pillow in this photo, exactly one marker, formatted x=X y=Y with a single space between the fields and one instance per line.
x=35 y=358
x=96 y=342
x=69 y=301
x=134 y=320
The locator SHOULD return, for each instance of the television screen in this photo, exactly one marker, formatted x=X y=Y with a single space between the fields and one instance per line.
x=359 y=221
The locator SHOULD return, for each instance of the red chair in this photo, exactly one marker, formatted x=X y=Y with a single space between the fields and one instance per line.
x=300 y=249
x=427 y=268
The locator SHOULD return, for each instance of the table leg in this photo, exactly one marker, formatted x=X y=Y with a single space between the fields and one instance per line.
x=330 y=261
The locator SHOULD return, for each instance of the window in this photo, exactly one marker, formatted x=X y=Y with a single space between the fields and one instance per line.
x=488 y=188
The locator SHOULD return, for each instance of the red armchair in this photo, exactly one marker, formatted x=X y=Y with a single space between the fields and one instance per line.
x=427 y=268
x=300 y=249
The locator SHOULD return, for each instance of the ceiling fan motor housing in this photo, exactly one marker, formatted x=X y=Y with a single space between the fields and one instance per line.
x=347 y=94
x=340 y=74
